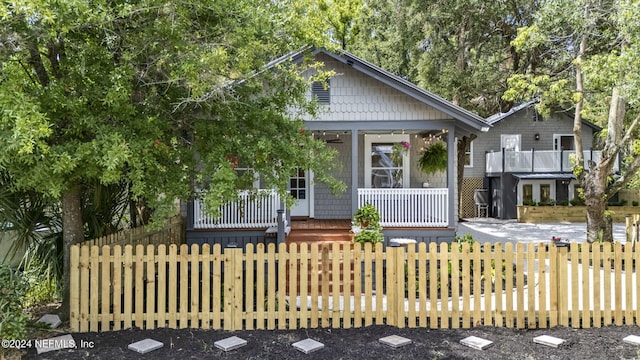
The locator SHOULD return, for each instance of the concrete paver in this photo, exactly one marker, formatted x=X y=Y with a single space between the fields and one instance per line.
x=145 y=346
x=308 y=346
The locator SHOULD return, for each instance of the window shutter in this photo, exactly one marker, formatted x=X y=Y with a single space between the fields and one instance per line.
x=321 y=94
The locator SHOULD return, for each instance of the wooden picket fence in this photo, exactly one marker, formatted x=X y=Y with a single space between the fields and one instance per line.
x=172 y=233
x=633 y=229
x=434 y=286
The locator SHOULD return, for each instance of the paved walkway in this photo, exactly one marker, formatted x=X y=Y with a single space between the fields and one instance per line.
x=495 y=230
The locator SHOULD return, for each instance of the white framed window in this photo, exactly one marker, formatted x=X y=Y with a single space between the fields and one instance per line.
x=243 y=172
x=386 y=161
x=510 y=142
x=469 y=152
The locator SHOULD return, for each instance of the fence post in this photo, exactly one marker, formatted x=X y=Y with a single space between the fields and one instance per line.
x=562 y=284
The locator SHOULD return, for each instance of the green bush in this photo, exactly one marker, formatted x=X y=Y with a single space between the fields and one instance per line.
x=550 y=202
x=372 y=236
x=13 y=288
x=576 y=201
x=634 y=203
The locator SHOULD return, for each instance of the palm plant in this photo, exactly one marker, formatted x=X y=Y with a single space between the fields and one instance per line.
x=37 y=224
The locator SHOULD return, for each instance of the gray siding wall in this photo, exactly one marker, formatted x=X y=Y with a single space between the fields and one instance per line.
x=523 y=123
x=327 y=205
x=357 y=97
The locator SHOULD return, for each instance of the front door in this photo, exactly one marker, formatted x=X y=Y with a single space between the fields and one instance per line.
x=299 y=189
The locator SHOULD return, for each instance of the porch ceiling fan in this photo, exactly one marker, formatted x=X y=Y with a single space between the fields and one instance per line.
x=333 y=141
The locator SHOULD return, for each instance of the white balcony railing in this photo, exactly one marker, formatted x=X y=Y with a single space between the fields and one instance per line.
x=250 y=211
x=409 y=207
x=537 y=161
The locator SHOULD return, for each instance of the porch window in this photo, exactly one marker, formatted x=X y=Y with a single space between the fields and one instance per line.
x=545 y=192
x=386 y=161
x=527 y=194
x=247 y=178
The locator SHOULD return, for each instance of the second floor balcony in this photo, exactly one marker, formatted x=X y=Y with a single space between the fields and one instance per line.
x=538 y=161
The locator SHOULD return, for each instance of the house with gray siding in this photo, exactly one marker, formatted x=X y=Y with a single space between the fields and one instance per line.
x=367 y=111
x=524 y=158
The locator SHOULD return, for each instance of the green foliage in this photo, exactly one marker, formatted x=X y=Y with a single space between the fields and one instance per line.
x=433 y=158
x=369 y=235
x=529 y=203
x=464 y=239
x=634 y=203
x=550 y=202
x=367 y=220
x=13 y=288
x=149 y=100
x=367 y=215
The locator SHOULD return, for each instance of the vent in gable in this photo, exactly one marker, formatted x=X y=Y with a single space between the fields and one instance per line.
x=321 y=93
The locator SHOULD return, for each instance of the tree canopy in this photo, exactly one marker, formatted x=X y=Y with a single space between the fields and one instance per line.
x=160 y=95
x=586 y=62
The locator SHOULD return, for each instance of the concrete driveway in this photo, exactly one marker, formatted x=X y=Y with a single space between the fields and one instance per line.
x=495 y=230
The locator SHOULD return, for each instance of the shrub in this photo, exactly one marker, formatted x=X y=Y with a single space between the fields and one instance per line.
x=13 y=321
x=563 y=202
x=634 y=203
x=372 y=236
x=368 y=219
x=576 y=201
x=550 y=202
x=529 y=202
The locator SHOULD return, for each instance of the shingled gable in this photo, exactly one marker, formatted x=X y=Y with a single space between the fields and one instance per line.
x=467 y=120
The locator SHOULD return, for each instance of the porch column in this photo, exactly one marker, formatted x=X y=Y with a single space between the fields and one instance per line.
x=354 y=170
x=451 y=175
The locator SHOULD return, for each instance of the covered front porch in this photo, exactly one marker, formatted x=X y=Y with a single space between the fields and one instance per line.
x=412 y=208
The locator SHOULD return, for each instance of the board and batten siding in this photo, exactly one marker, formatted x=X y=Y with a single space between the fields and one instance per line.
x=358 y=97
x=523 y=123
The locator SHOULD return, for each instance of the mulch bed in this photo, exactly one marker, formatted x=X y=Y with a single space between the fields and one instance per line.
x=361 y=343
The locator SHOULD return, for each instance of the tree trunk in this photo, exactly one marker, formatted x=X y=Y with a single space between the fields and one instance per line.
x=72 y=233
x=595 y=187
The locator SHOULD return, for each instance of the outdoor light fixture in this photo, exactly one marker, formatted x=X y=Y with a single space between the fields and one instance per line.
x=536 y=137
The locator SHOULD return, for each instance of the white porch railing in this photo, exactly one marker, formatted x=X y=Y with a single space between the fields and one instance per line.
x=409 y=207
x=537 y=161
x=257 y=211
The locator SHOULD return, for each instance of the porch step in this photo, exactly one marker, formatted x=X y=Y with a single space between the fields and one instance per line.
x=320 y=236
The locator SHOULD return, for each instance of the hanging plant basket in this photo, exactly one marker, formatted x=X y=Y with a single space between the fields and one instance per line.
x=434 y=158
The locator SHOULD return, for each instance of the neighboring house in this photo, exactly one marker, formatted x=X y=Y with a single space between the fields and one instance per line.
x=367 y=111
x=524 y=158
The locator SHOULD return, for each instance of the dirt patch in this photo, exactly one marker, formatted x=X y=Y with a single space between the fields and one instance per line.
x=361 y=343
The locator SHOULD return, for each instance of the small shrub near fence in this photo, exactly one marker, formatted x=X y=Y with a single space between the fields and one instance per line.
x=172 y=233
x=289 y=287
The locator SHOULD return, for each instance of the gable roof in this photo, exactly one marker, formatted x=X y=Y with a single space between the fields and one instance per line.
x=495 y=118
x=466 y=117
